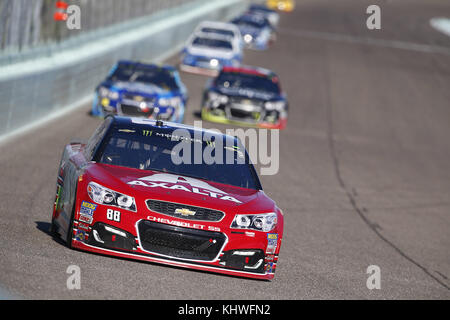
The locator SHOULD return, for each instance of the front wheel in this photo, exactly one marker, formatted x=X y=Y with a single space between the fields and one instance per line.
x=53 y=229
x=70 y=229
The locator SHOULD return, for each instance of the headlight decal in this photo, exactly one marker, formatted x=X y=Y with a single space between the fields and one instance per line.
x=113 y=95
x=217 y=99
x=105 y=92
x=172 y=102
x=262 y=222
x=275 y=105
x=102 y=195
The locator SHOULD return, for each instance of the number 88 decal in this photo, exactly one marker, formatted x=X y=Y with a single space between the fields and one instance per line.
x=113 y=215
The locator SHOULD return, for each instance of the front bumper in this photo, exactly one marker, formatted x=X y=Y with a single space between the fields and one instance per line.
x=205 y=65
x=207 y=115
x=258 y=45
x=103 y=106
x=195 y=245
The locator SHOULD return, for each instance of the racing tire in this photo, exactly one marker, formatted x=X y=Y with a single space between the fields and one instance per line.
x=69 y=235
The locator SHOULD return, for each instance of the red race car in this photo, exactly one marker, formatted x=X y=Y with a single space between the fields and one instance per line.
x=137 y=190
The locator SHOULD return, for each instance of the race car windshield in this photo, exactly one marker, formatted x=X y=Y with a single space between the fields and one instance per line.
x=255 y=24
x=232 y=80
x=218 y=31
x=256 y=8
x=216 y=43
x=152 y=150
x=130 y=73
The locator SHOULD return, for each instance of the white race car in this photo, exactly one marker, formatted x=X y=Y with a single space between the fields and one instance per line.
x=207 y=53
x=220 y=28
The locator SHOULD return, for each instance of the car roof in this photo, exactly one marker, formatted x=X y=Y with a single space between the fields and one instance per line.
x=214 y=36
x=221 y=37
x=166 y=127
x=146 y=65
x=249 y=16
x=250 y=70
x=217 y=25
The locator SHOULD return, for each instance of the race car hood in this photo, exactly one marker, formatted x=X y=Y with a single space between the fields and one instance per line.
x=248 y=93
x=211 y=52
x=145 y=184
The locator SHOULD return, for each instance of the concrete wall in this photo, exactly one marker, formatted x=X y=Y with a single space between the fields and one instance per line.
x=37 y=89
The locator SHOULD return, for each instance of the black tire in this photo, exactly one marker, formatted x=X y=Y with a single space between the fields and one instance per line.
x=53 y=229
x=70 y=229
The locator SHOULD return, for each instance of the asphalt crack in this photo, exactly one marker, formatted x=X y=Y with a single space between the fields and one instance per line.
x=351 y=195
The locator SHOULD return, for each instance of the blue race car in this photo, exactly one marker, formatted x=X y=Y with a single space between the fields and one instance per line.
x=141 y=90
x=256 y=30
x=264 y=11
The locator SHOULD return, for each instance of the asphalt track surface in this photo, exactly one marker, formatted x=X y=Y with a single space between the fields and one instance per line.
x=364 y=175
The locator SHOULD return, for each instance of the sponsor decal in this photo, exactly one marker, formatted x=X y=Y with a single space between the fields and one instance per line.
x=269 y=267
x=58 y=195
x=86 y=219
x=272 y=236
x=183 y=224
x=127 y=130
x=87 y=206
x=83 y=226
x=173 y=182
x=272 y=240
x=80 y=235
x=270 y=258
x=87 y=210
